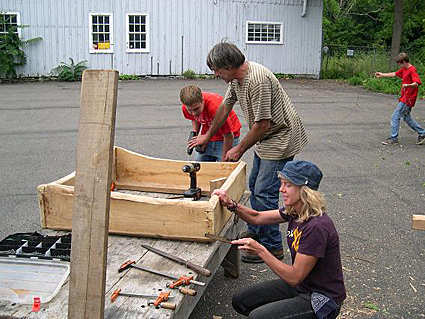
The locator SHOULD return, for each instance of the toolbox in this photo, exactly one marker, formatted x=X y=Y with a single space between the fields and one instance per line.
x=33 y=267
x=28 y=245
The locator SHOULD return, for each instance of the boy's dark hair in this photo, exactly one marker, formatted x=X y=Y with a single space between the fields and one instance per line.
x=225 y=55
x=191 y=94
x=402 y=57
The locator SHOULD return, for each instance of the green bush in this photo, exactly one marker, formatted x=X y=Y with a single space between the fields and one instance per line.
x=129 y=77
x=70 y=72
x=11 y=53
x=360 y=70
x=189 y=74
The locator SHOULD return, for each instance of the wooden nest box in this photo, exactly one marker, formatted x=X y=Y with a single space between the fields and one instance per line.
x=138 y=214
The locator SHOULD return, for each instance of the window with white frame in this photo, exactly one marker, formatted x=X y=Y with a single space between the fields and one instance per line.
x=101 y=33
x=264 y=32
x=9 y=20
x=137 y=36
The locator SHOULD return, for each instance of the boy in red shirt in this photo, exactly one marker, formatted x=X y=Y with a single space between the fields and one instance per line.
x=200 y=107
x=409 y=93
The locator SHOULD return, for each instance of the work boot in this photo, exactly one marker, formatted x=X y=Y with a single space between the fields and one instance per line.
x=390 y=141
x=248 y=234
x=254 y=259
x=421 y=139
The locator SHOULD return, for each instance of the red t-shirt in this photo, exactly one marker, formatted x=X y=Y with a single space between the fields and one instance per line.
x=212 y=102
x=408 y=76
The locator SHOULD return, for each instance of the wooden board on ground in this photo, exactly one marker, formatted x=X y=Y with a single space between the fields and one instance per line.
x=146 y=216
x=418 y=222
x=123 y=248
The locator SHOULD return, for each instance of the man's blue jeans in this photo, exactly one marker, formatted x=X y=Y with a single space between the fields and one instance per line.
x=403 y=111
x=213 y=151
x=264 y=186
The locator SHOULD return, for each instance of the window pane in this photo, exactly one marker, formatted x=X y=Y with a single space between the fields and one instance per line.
x=143 y=19
x=107 y=28
x=137 y=45
x=131 y=45
x=14 y=19
x=100 y=28
x=94 y=28
x=143 y=28
x=101 y=38
x=131 y=19
x=137 y=28
x=107 y=38
x=137 y=37
x=94 y=19
x=143 y=37
x=95 y=38
x=131 y=28
x=137 y=19
x=143 y=45
x=131 y=37
x=106 y=19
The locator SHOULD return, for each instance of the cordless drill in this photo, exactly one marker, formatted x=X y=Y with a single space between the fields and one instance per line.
x=194 y=191
x=197 y=148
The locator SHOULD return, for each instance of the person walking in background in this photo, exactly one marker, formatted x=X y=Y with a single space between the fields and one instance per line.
x=200 y=107
x=313 y=286
x=409 y=93
x=275 y=129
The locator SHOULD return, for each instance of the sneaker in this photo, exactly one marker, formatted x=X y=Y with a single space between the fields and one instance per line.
x=421 y=139
x=248 y=234
x=390 y=141
x=254 y=259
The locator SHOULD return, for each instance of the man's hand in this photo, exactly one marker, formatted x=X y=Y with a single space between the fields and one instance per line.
x=378 y=74
x=200 y=140
x=234 y=154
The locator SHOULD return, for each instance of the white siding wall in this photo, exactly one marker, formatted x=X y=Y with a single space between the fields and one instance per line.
x=181 y=33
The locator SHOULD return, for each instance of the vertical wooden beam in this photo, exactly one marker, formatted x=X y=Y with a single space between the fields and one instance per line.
x=90 y=214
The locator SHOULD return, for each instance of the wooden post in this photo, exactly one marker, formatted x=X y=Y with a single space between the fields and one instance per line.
x=90 y=214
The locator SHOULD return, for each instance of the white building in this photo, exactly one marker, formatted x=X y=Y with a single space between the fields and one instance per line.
x=167 y=37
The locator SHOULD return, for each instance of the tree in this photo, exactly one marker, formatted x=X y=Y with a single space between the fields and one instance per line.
x=397 y=30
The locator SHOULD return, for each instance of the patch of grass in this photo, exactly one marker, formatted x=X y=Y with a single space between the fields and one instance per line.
x=70 y=72
x=189 y=74
x=284 y=76
x=129 y=77
x=360 y=70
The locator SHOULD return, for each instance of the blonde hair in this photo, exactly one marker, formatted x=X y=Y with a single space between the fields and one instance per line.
x=314 y=205
x=191 y=94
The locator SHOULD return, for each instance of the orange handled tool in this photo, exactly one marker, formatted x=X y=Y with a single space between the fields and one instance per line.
x=163 y=296
x=183 y=280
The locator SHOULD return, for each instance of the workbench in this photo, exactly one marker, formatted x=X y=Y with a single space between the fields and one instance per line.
x=123 y=248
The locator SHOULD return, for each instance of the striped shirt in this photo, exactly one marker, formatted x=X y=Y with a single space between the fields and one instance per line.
x=261 y=97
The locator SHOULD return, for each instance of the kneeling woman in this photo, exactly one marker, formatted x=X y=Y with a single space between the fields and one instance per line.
x=313 y=286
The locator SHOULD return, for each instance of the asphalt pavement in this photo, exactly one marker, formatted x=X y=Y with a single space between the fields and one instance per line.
x=372 y=190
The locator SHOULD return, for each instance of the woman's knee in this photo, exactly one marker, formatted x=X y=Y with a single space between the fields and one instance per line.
x=238 y=303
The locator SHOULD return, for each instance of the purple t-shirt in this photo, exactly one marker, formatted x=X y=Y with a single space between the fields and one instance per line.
x=317 y=237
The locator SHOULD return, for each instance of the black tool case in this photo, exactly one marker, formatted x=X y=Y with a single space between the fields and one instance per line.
x=30 y=245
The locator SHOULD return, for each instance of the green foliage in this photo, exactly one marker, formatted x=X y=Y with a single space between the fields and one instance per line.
x=284 y=76
x=189 y=74
x=70 y=72
x=360 y=70
x=129 y=77
x=370 y=23
x=11 y=51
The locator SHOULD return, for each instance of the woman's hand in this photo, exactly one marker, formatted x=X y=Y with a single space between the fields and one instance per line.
x=223 y=197
x=250 y=245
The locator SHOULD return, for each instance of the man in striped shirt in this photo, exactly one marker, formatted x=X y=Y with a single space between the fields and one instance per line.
x=275 y=131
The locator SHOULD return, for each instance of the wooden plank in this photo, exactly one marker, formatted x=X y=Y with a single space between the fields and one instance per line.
x=134 y=167
x=418 y=222
x=216 y=184
x=90 y=218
